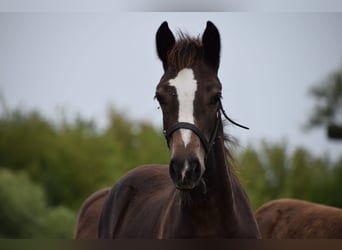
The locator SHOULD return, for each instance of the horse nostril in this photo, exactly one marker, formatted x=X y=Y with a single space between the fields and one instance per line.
x=174 y=169
x=196 y=168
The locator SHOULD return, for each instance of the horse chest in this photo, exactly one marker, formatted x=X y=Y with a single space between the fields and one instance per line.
x=192 y=222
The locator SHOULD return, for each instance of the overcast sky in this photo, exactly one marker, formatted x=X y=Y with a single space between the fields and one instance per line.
x=85 y=61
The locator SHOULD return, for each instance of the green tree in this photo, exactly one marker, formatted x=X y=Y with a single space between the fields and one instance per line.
x=72 y=159
x=336 y=183
x=273 y=172
x=48 y=169
x=24 y=212
x=253 y=177
x=327 y=111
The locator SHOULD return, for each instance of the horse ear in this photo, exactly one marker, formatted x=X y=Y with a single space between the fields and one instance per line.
x=164 y=41
x=212 y=45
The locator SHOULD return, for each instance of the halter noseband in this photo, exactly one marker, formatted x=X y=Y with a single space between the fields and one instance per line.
x=206 y=144
x=186 y=125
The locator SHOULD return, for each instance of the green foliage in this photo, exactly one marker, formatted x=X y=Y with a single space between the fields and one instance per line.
x=48 y=169
x=24 y=212
x=67 y=161
x=57 y=222
x=272 y=172
x=73 y=159
x=328 y=101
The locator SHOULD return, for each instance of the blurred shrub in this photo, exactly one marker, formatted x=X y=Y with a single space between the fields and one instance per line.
x=272 y=172
x=24 y=212
x=48 y=169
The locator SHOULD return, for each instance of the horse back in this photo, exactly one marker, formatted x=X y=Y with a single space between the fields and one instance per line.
x=133 y=206
x=89 y=215
x=290 y=218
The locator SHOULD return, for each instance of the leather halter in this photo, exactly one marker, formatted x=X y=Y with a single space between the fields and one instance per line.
x=185 y=125
x=206 y=144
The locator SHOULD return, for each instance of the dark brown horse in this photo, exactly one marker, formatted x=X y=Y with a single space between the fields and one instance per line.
x=290 y=218
x=88 y=218
x=197 y=195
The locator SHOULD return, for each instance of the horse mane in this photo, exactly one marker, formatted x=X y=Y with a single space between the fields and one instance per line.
x=186 y=52
x=229 y=141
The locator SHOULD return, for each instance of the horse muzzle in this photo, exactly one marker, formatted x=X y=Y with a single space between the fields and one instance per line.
x=186 y=173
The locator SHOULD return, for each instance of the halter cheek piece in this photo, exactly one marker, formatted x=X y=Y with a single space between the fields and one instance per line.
x=206 y=144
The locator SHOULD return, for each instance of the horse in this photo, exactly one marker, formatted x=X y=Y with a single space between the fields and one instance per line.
x=88 y=217
x=198 y=194
x=298 y=219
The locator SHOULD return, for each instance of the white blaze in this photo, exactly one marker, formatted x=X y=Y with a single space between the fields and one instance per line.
x=186 y=87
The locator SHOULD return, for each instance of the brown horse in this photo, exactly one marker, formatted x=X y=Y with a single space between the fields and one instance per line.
x=203 y=198
x=290 y=218
x=89 y=215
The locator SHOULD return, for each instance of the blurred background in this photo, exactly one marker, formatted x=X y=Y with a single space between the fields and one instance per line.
x=77 y=109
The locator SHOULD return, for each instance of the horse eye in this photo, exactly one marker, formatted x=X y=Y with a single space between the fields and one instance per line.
x=159 y=98
x=215 y=99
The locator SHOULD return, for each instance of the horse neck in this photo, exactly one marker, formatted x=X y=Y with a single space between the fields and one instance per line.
x=210 y=213
x=218 y=175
